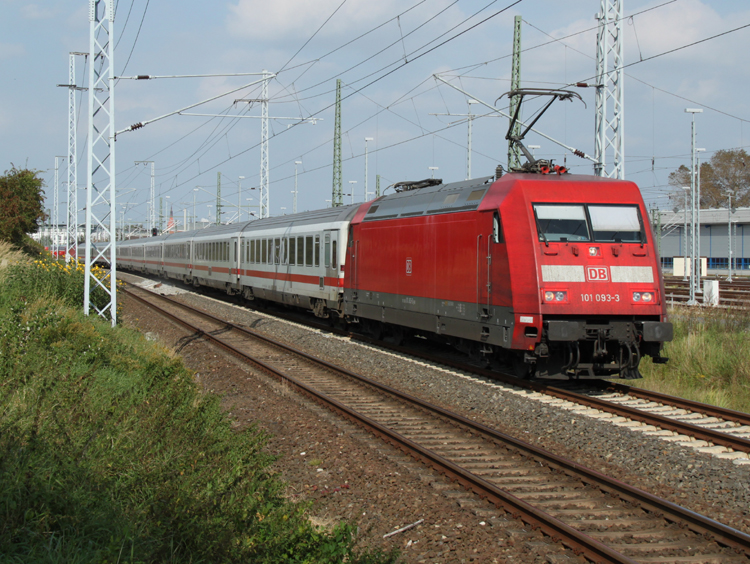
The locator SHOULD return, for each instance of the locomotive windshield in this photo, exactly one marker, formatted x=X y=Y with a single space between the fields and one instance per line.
x=561 y=223
x=592 y=222
x=616 y=223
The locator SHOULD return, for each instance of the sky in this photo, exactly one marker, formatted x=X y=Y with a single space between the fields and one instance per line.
x=678 y=54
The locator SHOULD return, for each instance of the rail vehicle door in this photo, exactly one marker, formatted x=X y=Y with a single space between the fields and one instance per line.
x=485 y=238
x=331 y=262
x=352 y=251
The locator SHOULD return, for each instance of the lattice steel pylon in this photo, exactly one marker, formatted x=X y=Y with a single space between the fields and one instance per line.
x=218 y=198
x=514 y=152
x=265 y=200
x=609 y=127
x=71 y=222
x=337 y=197
x=56 y=202
x=100 y=176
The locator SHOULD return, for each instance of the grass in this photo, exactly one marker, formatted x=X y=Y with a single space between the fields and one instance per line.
x=110 y=453
x=709 y=358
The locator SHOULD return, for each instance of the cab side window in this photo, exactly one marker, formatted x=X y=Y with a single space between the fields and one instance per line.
x=497 y=229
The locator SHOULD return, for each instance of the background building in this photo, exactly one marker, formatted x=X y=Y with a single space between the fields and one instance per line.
x=714 y=246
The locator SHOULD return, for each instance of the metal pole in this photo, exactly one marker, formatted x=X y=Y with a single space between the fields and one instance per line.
x=366 y=192
x=352 y=183
x=468 y=142
x=337 y=198
x=239 y=198
x=294 y=204
x=699 y=265
x=729 y=235
x=265 y=197
x=693 y=202
x=691 y=300
x=218 y=198
x=56 y=202
x=195 y=191
x=377 y=186
x=684 y=236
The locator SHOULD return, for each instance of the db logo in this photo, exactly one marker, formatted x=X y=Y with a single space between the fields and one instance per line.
x=598 y=273
x=408 y=267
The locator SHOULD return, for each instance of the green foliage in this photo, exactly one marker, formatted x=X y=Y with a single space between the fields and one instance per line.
x=708 y=359
x=110 y=453
x=21 y=210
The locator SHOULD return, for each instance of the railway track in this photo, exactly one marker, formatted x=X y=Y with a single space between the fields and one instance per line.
x=598 y=517
x=715 y=430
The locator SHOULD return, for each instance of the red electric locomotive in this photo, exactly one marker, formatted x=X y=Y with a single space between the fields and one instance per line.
x=555 y=274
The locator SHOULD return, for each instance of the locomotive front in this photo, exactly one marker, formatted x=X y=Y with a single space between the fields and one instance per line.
x=599 y=292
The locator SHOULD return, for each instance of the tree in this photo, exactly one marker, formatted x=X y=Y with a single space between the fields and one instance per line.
x=726 y=171
x=21 y=207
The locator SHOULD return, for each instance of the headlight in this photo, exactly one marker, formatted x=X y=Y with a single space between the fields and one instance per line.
x=556 y=296
x=593 y=251
x=644 y=297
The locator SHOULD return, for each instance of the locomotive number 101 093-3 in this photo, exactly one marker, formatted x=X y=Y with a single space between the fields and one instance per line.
x=600 y=297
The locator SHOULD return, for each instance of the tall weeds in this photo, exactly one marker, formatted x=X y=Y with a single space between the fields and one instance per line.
x=709 y=358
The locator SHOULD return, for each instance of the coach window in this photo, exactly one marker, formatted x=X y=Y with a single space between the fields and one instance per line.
x=327 y=250
x=300 y=251
x=497 y=229
x=277 y=251
x=235 y=251
x=317 y=250
x=292 y=251
x=308 y=251
x=334 y=256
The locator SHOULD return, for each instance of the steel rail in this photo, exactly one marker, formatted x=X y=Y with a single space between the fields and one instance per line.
x=703 y=408
x=556 y=529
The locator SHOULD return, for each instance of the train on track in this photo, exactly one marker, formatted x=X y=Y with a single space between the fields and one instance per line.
x=545 y=273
